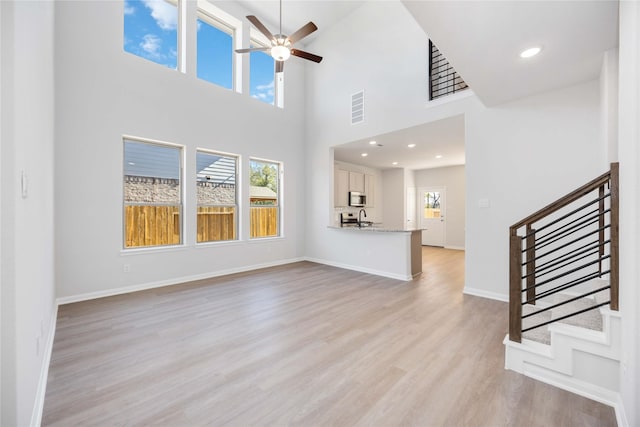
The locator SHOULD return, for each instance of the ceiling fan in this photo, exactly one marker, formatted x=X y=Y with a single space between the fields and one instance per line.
x=281 y=44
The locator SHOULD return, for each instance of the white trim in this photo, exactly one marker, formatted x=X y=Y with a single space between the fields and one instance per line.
x=456 y=248
x=38 y=406
x=581 y=388
x=169 y=282
x=465 y=93
x=485 y=294
x=405 y=278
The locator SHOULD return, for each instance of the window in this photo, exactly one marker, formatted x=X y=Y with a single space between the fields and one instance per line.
x=152 y=194
x=215 y=51
x=264 y=194
x=261 y=72
x=217 y=197
x=151 y=30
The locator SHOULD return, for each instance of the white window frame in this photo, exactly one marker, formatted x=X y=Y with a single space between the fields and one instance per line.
x=161 y=143
x=280 y=199
x=237 y=197
x=231 y=25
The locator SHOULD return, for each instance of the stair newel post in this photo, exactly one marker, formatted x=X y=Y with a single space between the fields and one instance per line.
x=515 y=286
x=614 y=260
x=531 y=265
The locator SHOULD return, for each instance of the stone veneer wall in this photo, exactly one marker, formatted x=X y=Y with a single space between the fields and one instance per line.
x=142 y=189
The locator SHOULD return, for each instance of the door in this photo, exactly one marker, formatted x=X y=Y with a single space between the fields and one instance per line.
x=432 y=215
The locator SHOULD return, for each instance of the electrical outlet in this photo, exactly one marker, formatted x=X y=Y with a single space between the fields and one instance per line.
x=126 y=268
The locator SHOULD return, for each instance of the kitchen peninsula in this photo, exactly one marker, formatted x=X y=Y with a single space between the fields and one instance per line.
x=389 y=251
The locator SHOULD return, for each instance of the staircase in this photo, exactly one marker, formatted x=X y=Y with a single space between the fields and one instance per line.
x=564 y=327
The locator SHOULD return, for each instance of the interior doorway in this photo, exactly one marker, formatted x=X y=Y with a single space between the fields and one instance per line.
x=432 y=213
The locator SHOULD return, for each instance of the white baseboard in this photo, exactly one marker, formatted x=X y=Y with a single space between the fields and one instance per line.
x=169 y=282
x=361 y=269
x=38 y=407
x=581 y=388
x=485 y=294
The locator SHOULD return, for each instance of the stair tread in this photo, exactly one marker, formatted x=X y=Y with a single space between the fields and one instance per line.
x=591 y=319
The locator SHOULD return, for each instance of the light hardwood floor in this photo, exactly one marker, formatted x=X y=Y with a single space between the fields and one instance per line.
x=303 y=344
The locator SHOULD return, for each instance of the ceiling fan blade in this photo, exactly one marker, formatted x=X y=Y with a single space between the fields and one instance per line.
x=279 y=66
x=303 y=32
x=253 y=49
x=256 y=23
x=306 y=55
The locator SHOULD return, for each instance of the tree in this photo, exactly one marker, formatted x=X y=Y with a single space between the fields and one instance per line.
x=264 y=175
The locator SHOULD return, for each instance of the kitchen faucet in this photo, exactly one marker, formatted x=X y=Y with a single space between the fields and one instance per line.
x=359 y=218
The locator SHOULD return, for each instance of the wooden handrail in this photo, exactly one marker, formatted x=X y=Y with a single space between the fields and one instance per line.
x=516 y=244
x=564 y=201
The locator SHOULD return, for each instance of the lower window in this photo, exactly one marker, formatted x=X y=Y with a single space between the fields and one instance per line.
x=152 y=194
x=264 y=194
x=216 y=193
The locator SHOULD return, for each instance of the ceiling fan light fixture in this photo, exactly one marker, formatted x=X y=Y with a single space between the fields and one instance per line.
x=280 y=53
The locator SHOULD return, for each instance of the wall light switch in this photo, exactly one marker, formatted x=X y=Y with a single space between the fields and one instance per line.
x=484 y=203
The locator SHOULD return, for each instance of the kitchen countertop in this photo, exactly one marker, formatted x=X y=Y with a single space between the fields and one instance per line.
x=377 y=227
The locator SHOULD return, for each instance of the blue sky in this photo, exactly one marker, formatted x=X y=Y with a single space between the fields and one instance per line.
x=150 y=31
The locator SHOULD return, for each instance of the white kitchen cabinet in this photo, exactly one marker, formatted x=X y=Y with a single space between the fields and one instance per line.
x=370 y=189
x=356 y=181
x=340 y=188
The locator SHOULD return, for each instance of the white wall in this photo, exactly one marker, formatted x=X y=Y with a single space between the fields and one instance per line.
x=522 y=156
x=629 y=155
x=27 y=266
x=452 y=178
x=104 y=93
x=393 y=187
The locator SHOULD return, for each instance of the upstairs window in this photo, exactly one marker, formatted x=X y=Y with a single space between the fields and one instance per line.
x=151 y=30
x=261 y=72
x=152 y=194
x=215 y=51
x=217 y=196
x=264 y=195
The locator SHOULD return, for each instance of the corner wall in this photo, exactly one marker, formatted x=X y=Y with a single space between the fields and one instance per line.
x=104 y=93
x=629 y=157
x=27 y=151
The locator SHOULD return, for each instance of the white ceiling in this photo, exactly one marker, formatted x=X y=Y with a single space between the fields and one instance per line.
x=296 y=13
x=443 y=137
x=482 y=40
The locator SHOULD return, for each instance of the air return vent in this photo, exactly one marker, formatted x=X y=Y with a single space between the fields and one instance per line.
x=357 y=107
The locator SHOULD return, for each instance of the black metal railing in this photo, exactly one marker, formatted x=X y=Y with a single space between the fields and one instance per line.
x=564 y=247
x=443 y=79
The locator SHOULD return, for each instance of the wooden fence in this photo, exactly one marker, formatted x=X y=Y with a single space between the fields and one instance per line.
x=151 y=225
x=157 y=225
x=264 y=221
x=216 y=223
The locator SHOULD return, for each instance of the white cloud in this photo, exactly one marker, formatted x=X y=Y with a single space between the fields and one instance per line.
x=265 y=92
x=165 y=14
x=151 y=44
x=128 y=9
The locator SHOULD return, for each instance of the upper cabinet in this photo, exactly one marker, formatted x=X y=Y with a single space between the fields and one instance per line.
x=356 y=182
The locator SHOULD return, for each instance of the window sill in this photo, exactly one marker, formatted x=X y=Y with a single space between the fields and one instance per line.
x=153 y=249
x=265 y=239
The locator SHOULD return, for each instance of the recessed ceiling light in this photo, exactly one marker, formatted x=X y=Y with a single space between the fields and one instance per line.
x=411 y=145
x=372 y=143
x=364 y=154
x=439 y=156
x=532 y=51
x=394 y=163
